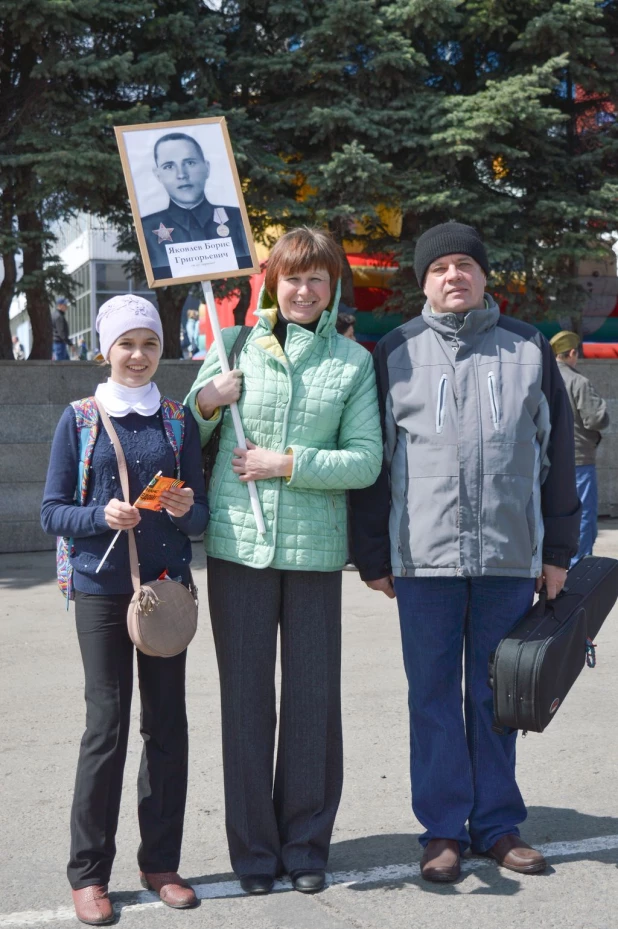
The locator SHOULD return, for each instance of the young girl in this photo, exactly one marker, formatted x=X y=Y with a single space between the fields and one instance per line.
x=131 y=340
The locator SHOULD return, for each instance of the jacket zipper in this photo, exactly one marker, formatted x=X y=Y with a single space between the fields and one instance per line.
x=288 y=370
x=441 y=405
x=495 y=413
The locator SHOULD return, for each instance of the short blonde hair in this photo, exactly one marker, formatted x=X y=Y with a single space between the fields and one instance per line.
x=302 y=249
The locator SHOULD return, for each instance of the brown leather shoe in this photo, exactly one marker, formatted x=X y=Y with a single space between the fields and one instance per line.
x=513 y=853
x=93 y=906
x=440 y=861
x=172 y=889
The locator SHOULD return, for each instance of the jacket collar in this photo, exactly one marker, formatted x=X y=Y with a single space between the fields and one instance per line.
x=463 y=325
x=203 y=213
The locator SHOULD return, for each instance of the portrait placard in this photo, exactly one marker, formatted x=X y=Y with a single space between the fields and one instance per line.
x=187 y=203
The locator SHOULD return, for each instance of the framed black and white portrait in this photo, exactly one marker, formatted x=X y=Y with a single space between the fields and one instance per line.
x=187 y=203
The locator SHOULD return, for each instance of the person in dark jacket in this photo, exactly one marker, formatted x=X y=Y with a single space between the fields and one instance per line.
x=131 y=340
x=60 y=331
x=590 y=418
x=475 y=506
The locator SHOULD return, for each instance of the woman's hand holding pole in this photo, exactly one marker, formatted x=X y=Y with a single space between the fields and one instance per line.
x=238 y=428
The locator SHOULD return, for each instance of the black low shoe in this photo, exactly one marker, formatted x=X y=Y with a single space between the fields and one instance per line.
x=308 y=882
x=257 y=883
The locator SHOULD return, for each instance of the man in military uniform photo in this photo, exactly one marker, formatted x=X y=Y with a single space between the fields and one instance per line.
x=182 y=169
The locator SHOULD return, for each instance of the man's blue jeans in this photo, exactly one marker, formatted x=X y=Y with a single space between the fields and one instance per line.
x=461 y=771
x=60 y=352
x=586 y=481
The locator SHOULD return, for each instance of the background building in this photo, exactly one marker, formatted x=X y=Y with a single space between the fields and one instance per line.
x=89 y=250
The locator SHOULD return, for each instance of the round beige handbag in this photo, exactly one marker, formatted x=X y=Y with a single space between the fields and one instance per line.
x=162 y=614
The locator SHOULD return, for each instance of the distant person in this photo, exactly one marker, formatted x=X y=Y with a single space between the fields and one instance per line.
x=19 y=353
x=192 y=330
x=60 y=331
x=182 y=169
x=345 y=325
x=82 y=350
x=591 y=417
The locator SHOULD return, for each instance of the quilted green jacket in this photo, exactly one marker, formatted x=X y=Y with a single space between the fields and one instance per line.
x=318 y=400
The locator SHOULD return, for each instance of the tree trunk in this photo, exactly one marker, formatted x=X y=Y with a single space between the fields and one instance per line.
x=347 y=280
x=347 y=283
x=7 y=287
x=405 y=279
x=7 y=292
x=37 y=300
x=244 y=301
x=171 y=301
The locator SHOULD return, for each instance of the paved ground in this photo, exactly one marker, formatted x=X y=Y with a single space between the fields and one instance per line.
x=568 y=776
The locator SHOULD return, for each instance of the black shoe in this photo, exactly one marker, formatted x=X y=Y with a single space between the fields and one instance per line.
x=308 y=882
x=257 y=883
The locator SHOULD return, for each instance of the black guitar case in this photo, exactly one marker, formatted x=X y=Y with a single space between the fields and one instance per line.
x=537 y=663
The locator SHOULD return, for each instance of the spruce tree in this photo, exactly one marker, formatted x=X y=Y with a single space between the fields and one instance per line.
x=69 y=71
x=51 y=157
x=314 y=82
x=509 y=150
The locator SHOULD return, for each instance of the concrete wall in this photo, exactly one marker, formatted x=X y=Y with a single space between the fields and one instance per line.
x=603 y=373
x=33 y=395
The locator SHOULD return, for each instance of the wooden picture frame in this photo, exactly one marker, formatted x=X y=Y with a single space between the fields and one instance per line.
x=188 y=226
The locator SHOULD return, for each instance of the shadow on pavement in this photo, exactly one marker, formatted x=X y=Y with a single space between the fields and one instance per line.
x=561 y=824
x=544 y=825
x=23 y=570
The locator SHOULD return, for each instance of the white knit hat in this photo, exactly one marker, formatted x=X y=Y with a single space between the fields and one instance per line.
x=122 y=313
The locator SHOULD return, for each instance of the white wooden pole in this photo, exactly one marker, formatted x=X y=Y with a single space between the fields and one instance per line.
x=240 y=435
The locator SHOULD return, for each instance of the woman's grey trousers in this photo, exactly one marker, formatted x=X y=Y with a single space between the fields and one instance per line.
x=286 y=824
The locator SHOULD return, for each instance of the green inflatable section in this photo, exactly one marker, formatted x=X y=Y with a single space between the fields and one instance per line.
x=607 y=332
x=376 y=326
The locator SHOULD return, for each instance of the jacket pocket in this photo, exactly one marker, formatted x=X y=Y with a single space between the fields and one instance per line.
x=331 y=510
x=428 y=530
x=493 y=399
x=441 y=403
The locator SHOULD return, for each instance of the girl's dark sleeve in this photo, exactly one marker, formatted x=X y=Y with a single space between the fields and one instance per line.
x=59 y=514
x=195 y=521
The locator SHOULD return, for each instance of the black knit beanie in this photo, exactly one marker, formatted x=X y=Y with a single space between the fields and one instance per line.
x=448 y=239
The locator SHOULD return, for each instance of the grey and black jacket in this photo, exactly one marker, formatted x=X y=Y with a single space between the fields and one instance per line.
x=590 y=414
x=479 y=471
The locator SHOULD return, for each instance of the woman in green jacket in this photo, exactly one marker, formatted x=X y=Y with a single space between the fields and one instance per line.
x=308 y=403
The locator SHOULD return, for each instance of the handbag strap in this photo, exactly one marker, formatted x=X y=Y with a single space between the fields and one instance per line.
x=124 y=483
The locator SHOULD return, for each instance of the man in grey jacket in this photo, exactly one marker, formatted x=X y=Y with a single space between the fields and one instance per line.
x=475 y=506
x=590 y=418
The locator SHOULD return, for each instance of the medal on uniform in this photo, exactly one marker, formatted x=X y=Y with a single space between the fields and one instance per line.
x=163 y=233
x=221 y=217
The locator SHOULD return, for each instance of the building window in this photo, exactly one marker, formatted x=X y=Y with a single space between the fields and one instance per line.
x=78 y=315
x=109 y=279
